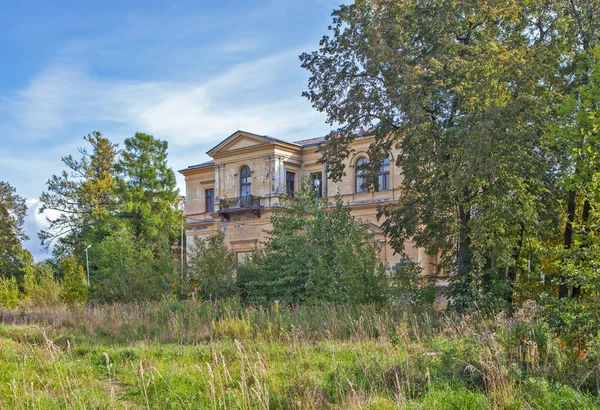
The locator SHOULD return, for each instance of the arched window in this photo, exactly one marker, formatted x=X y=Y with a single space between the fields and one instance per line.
x=383 y=176
x=360 y=174
x=245 y=182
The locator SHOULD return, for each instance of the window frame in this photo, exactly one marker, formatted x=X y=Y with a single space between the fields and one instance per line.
x=384 y=175
x=288 y=191
x=212 y=200
x=245 y=181
x=317 y=175
x=360 y=175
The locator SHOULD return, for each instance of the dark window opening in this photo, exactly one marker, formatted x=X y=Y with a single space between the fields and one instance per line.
x=209 y=200
x=316 y=179
x=290 y=183
x=245 y=182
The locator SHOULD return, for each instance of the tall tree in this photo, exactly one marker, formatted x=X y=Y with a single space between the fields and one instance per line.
x=13 y=209
x=148 y=192
x=574 y=134
x=83 y=196
x=457 y=88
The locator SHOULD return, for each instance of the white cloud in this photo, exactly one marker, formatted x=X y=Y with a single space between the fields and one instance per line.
x=35 y=222
x=254 y=95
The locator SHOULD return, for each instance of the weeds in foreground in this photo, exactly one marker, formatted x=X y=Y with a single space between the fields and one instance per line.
x=222 y=355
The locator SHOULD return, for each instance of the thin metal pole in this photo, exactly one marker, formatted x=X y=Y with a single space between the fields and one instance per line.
x=182 y=215
x=87 y=267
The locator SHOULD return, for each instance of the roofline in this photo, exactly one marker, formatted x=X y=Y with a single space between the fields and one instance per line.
x=255 y=135
x=315 y=143
x=198 y=166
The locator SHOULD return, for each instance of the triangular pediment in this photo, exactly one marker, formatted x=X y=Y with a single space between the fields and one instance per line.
x=243 y=139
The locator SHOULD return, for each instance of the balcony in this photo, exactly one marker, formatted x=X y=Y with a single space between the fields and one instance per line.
x=250 y=203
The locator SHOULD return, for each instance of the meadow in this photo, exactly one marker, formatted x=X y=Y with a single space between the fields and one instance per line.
x=194 y=355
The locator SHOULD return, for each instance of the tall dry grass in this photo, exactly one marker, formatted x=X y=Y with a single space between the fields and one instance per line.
x=424 y=356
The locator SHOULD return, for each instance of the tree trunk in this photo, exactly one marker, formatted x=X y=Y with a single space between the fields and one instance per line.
x=463 y=254
x=585 y=217
x=511 y=274
x=563 y=289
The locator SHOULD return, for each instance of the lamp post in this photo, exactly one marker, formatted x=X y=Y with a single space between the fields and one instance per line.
x=87 y=265
x=182 y=231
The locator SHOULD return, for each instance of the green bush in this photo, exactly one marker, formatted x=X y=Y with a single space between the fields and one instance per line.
x=39 y=286
x=408 y=286
x=316 y=251
x=125 y=270
x=74 y=286
x=210 y=268
x=9 y=292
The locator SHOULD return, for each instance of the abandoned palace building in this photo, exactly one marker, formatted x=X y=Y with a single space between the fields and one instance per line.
x=237 y=191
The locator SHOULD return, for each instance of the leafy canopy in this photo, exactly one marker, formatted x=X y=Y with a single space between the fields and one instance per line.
x=457 y=88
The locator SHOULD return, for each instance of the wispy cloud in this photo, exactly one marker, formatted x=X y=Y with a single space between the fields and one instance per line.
x=191 y=115
x=253 y=95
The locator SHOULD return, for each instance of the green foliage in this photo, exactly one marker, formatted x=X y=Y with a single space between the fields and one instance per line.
x=9 y=292
x=39 y=286
x=13 y=258
x=108 y=191
x=83 y=196
x=575 y=321
x=74 y=283
x=148 y=192
x=316 y=251
x=210 y=268
x=123 y=269
x=409 y=287
x=452 y=86
x=576 y=137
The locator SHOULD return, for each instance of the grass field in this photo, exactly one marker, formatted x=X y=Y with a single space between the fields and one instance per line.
x=208 y=356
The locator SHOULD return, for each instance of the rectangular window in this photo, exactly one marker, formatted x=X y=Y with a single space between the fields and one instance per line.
x=209 y=198
x=383 y=176
x=242 y=257
x=290 y=183
x=316 y=178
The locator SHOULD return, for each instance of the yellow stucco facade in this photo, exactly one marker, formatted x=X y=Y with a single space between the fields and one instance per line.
x=248 y=164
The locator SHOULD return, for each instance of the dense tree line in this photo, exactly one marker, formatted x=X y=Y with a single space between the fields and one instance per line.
x=119 y=207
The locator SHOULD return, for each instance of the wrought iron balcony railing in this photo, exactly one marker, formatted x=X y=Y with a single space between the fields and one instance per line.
x=242 y=203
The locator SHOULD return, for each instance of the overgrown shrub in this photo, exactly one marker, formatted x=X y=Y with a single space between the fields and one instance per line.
x=74 y=285
x=316 y=251
x=9 y=292
x=39 y=286
x=210 y=268
x=408 y=286
x=125 y=270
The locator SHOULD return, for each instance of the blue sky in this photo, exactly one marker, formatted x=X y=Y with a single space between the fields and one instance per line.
x=190 y=73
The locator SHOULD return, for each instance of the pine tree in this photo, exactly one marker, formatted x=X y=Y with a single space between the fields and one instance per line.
x=148 y=193
x=83 y=196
